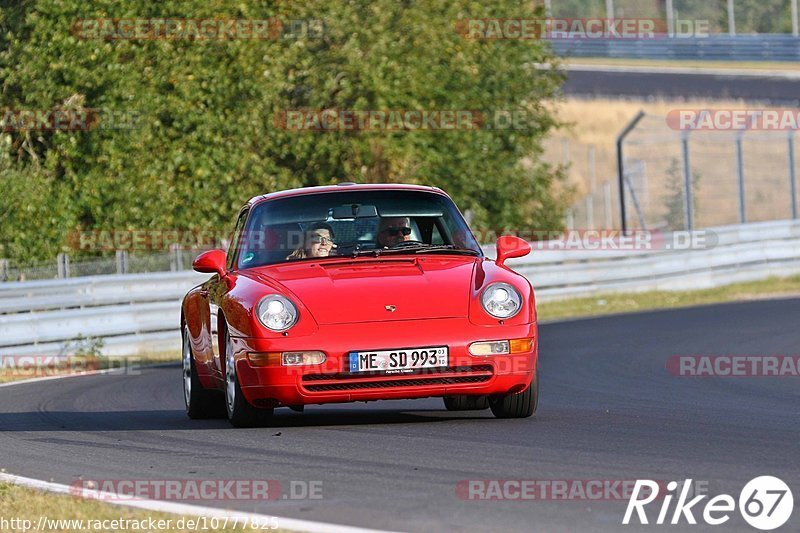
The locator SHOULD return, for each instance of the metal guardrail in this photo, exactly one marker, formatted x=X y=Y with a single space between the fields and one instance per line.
x=763 y=47
x=139 y=313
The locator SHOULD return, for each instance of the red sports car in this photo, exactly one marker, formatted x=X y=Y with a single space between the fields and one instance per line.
x=354 y=293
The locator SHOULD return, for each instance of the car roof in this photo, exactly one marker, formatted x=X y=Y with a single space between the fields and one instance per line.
x=341 y=187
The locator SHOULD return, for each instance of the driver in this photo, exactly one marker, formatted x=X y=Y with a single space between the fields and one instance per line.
x=393 y=230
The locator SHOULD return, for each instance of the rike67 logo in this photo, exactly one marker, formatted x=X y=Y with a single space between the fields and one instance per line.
x=766 y=503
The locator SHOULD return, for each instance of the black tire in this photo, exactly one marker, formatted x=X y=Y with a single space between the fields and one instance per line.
x=240 y=413
x=520 y=405
x=200 y=403
x=466 y=403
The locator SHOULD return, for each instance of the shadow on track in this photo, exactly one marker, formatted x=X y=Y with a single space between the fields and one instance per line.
x=177 y=420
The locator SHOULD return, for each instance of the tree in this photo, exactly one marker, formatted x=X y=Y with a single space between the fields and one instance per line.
x=205 y=140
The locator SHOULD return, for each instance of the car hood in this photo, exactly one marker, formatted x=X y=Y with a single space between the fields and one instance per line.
x=376 y=290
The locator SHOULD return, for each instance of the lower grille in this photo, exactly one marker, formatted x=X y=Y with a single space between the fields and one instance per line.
x=477 y=374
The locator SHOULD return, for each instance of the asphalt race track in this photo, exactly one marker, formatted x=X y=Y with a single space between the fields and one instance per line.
x=608 y=411
x=613 y=84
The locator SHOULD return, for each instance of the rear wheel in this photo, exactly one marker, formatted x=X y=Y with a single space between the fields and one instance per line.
x=520 y=405
x=466 y=403
x=240 y=413
x=200 y=402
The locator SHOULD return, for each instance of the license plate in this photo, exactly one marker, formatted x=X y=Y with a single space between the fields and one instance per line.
x=398 y=361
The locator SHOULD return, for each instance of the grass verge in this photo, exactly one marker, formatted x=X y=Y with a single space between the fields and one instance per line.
x=21 y=509
x=607 y=304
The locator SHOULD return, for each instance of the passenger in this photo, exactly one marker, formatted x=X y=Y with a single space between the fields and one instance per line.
x=317 y=242
x=393 y=230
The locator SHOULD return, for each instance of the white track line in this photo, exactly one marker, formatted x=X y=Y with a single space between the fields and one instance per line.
x=292 y=524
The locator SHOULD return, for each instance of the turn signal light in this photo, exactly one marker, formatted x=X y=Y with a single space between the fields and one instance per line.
x=265 y=359
x=521 y=345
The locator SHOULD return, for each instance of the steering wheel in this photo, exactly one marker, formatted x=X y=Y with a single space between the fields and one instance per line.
x=405 y=244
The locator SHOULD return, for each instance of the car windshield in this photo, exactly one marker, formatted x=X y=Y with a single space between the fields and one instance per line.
x=353 y=223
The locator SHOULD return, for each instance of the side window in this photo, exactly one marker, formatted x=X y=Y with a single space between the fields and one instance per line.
x=237 y=233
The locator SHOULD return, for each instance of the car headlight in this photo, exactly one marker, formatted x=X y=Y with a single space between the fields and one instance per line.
x=501 y=300
x=276 y=312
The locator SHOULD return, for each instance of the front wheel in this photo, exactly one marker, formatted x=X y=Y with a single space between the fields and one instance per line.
x=200 y=402
x=240 y=413
x=520 y=405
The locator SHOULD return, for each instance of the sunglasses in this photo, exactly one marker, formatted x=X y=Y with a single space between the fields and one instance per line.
x=319 y=239
x=395 y=232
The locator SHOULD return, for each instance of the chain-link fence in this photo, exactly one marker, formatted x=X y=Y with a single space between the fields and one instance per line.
x=722 y=16
x=591 y=173
x=122 y=262
x=679 y=179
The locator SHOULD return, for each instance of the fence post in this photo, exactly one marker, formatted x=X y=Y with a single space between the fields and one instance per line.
x=795 y=26
x=731 y=19
x=792 y=174
x=4 y=268
x=670 y=19
x=122 y=261
x=590 y=211
x=636 y=206
x=63 y=265
x=607 y=204
x=740 y=168
x=740 y=179
x=621 y=166
x=688 y=208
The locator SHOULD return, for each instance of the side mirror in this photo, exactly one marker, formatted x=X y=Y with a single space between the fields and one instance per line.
x=509 y=247
x=211 y=262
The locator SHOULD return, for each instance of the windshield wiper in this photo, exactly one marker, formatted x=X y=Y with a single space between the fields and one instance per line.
x=404 y=248
x=423 y=248
x=450 y=248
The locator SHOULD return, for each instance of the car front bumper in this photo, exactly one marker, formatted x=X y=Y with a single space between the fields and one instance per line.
x=330 y=382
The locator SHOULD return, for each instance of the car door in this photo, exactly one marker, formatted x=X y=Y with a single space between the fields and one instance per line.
x=217 y=288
